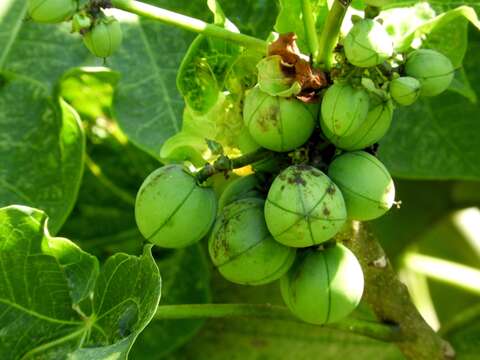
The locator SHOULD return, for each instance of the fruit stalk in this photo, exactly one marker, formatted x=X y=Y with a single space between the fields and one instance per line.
x=189 y=23
x=329 y=36
x=370 y=329
x=224 y=163
x=310 y=30
x=390 y=300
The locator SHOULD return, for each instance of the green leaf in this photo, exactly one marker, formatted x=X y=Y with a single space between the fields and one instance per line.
x=43 y=280
x=290 y=19
x=41 y=139
x=187 y=281
x=436 y=138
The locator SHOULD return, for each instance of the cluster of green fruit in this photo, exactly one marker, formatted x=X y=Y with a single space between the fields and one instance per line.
x=102 y=34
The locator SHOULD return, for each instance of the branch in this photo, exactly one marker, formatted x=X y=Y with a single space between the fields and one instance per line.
x=370 y=329
x=390 y=300
x=189 y=23
x=329 y=37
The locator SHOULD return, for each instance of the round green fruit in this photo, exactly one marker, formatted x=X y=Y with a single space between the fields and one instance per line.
x=371 y=130
x=304 y=207
x=432 y=69
x=344 y=108
x=51 y=11
x=278 y=123
x=323 y=286
x=172 y=210
x=367 y=44
x=405 y=90
x=240 y=188
x=365 y=183
x=104 y=38
x=243 y=250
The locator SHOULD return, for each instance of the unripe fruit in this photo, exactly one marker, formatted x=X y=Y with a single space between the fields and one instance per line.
x=243 y=250
x=51 y=11
x=365 y=183
x=405 y=90
x=433 y=69
x=104 y=38
x=367 y=44
x=304 y=207
x=241 y=188
x=172 y=210
x=344 y=109
x=323 y=286
x=371 y=130
x=277 y=123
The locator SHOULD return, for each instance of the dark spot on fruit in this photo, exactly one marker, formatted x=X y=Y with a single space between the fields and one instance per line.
x=331 y=189
x=326 y=211
x=268 y=118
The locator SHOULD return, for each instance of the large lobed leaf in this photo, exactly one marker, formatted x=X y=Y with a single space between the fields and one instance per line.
x=56 y=304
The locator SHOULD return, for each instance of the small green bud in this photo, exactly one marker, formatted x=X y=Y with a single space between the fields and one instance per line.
x=104 y=38
x=51 y=11
x=304 y=207
x=243 y=250
x=323 y=286
x=371 y=130
x=433 y=69
x=171 y=210
x=81 y=21
x=344 y=109
x=367 y=44
x=365 y=183
x=277 y=123
x=273 y=80
x=405 y=90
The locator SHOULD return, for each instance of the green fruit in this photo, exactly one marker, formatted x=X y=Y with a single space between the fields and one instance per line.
x=432 y=69
x=323 y=286
x=366 y=185
x=171 y=210
x=304 y=207
x=367 y=44
x=240 y=188
x=51 y=11
x=104 y=38
x=344 y=109
x=243 y=250
x=405 y=90
x=371 y=130
x=377 y=3
x=277 y=123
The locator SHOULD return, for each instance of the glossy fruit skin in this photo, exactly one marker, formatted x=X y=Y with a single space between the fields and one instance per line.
x=433 y=69
x=104 y=38
x=365 y=183
x=344 y=108
x=405 y=90
x=304 y=207
x=278 y=123
x=51 y=11
x=371 y=130
x=171 y=210
x=323 y=286
x=240 y=188
x=243 y=250
x=367 y=44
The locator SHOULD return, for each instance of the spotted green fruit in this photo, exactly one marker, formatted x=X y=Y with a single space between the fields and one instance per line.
x=104 y=38
x=171 y=210
x=51 y=11
x=366 y=184
x=344 y=108
x=367 y=44
x=432 y=69
x=243 y=250
x=241 y=188
x=304 y=207
x=323 y=286
x=405 y=90
x=371 y=130
x=278 y=123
